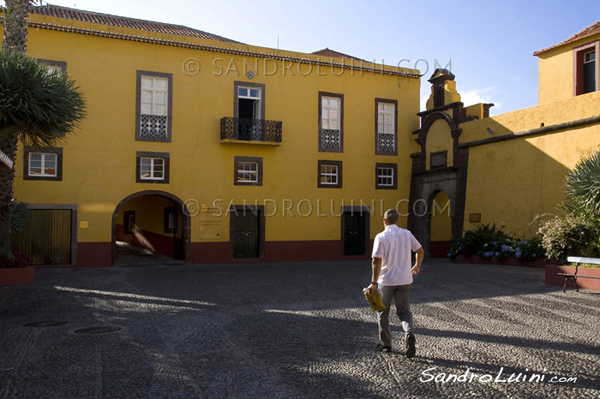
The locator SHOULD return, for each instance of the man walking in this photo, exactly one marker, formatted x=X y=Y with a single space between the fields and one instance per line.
x=393 y=274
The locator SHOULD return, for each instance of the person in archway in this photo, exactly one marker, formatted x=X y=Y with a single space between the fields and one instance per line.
x=393 y=274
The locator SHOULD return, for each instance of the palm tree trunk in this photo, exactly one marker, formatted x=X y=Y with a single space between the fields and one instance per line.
x=8 y=145
x=15 y=25
x=15 y=38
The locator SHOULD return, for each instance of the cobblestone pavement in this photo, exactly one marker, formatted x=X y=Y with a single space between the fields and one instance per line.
x=293 y=330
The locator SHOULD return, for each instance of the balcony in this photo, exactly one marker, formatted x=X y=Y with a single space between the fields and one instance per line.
x=252 y=131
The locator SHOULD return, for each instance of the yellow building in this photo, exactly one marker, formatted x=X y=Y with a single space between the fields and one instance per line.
x=209 y=150
x=508 y=169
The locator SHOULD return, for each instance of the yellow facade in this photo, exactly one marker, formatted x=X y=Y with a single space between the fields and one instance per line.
x=99 y=161
x=459 y=169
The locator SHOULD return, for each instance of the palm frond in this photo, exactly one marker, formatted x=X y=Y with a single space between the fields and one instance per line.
x=20 y=216
x=43 y=105
x=583 y=185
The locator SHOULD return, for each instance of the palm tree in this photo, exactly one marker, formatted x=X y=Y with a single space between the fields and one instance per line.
x=583 y=186
x=37 y=106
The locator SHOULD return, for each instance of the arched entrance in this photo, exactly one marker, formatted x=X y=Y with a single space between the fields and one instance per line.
x=152 y=221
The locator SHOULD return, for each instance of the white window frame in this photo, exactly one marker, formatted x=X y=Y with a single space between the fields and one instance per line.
x=332 y=171
x=386 y=126
x=43 y=160
x=588 y=60
x=257 y=105
x=152 y=106
x=152 y=168
x=249 y=95
x=326 y=108
x=249 y=169
x=386 y=119
x=388 y=177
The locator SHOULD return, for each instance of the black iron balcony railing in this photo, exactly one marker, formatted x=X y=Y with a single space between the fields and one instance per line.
x=242 y=129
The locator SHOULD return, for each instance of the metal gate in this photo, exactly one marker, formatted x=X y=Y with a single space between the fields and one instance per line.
x=47 y=240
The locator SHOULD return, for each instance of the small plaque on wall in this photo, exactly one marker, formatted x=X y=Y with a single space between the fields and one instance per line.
x=439 y=159
x=474 y=217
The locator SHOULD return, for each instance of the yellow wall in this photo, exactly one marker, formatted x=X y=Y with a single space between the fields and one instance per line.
x=526 y=119
x=99 y=164
x=512 y=182
x=439 y=138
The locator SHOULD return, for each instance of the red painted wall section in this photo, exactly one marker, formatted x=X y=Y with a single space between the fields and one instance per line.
x=94 y=254
x=154 y=242
x=552 y=277
x=439 y=249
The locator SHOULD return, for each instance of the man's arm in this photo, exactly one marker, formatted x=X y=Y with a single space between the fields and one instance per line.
x=376 y=266
x=419 y=255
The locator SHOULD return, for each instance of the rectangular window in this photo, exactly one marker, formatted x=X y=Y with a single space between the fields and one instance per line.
x=43 y=163
x=152 y=167
x=330 y=174
x=249 y=111
x=386 y=176
x=248 y=171
x=154 y=98
x=589 y=72
x=386 y=115
x=331 y=122
x=585 y=66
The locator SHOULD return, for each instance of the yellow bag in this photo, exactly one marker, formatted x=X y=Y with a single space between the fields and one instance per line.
x=374 y=300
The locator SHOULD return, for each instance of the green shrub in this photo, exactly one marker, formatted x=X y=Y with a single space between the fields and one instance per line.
x=572 y=235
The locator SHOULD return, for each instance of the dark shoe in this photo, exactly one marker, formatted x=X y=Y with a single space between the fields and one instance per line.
x=382 y=348
x=410 y=346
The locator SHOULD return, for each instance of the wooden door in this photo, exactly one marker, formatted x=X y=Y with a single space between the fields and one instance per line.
x=245 y=234
x=354 y=233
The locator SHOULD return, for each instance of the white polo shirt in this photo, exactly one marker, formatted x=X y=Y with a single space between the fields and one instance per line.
x=394 y=245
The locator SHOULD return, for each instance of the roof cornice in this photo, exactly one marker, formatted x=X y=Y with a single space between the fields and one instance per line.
x=591 y=30
x=353 y=66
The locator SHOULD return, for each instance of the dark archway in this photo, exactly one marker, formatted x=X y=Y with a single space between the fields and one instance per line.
x=176 y=222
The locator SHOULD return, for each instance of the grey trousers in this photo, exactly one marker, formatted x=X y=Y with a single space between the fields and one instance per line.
x=401 y=296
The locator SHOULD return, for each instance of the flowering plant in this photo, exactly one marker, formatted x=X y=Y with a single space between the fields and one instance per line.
x=487 y=242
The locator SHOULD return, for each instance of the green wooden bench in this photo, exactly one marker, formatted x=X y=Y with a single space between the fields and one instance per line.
x=573 y=277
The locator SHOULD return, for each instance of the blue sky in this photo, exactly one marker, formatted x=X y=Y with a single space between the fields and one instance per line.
x=488 y=45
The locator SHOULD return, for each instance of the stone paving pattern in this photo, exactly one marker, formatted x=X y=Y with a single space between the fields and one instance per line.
x=293 y=330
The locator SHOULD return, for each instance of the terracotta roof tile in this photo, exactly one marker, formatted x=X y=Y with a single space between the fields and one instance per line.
x=326 y=52
x=589 y=31
x=123 y=22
